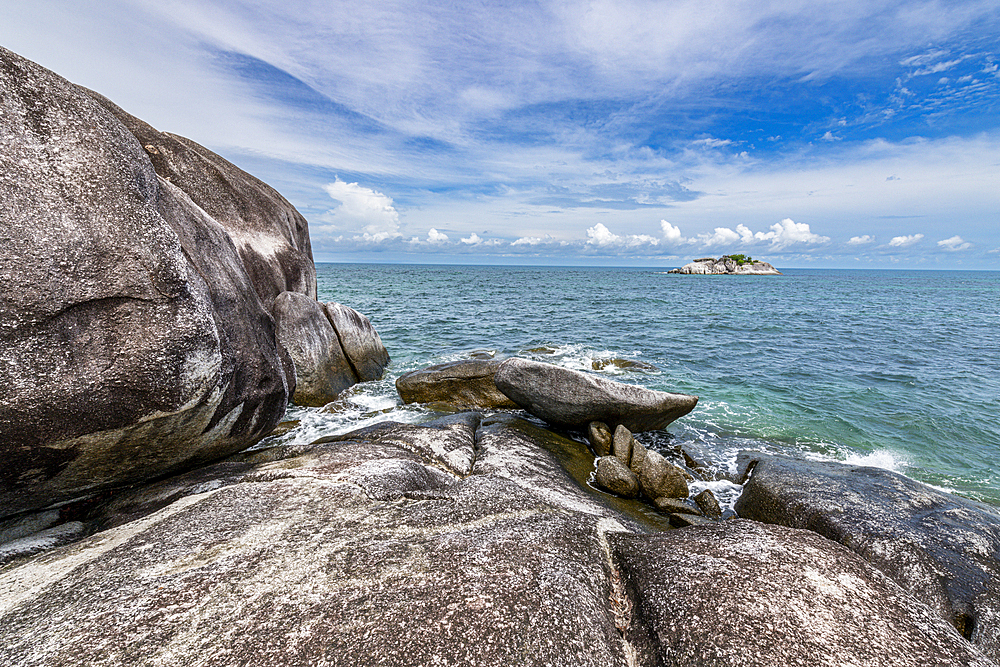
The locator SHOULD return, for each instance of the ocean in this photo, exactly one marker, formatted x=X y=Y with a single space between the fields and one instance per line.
x=895 y=369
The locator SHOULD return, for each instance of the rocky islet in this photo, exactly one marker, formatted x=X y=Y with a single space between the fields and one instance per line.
x=476 y=539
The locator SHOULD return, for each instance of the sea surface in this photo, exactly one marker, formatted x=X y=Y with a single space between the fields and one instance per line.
x=896 y=369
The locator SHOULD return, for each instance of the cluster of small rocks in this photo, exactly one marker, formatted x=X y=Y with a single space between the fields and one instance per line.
x=627 y=468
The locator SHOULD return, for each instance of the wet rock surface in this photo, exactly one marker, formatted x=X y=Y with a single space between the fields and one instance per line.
x=742 y=593
x=572 y=399
x=466 y=384
x=943 y=549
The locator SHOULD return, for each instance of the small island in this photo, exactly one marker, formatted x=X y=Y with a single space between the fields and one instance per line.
x=742 y=265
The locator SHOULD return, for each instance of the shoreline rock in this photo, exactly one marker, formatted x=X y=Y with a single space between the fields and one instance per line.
x=466 y=384
x=943 y=549
x=573 y=399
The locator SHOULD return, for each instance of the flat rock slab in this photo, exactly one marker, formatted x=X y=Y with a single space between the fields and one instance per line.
x=943 y=549
x=466 y=384
x=572 y=399
x=747 y=594
x=360 y=551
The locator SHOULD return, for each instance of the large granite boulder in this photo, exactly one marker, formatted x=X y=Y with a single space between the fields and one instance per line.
x=271 y=237
x=464 y=541
x=943 y=549
x=132 y=340
x=361 y=343
x=572 y=399
x=322 y=370
x=746 y=594
x=355 y=551
x=466 y=384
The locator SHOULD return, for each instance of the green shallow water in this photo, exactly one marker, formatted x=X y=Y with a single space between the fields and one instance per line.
x=899 y=369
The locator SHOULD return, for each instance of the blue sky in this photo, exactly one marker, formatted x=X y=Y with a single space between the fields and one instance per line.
x=807 y=133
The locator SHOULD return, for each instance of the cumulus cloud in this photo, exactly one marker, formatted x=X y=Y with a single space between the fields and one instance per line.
x=528 y=240
x=954 y=243
x=905 y=241
x=721 y=236
x=364 y=207
x=788 y=232
x=434 y=236
x=473 y=239
x=861 y=240
x=671 y=233
x=601 y=236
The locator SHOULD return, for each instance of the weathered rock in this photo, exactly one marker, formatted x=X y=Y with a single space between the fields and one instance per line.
x=466 y=384
x=357 y=551
x=132 y=341
x=271 y=237
x=685 y=519
x=600 y=437
x=360 y=341
x=321 y=368
x=638 y=457
x=614 y=476
x=572 y=399
x=708 y=504
x=751 y=595
x=944 y=549
x=660 y=478
x=621 y=445
x=676 y=505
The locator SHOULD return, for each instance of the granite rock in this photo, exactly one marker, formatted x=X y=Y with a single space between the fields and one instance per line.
x=466 y=384
x=572 y=399
x=943 y=549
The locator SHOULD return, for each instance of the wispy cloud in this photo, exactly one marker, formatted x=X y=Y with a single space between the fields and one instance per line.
x=954 y=243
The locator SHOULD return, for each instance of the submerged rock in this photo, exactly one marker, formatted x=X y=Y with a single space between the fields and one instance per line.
x=573 y=399
x=746 y=594
x=466 y=384
x=708 y=504
x=133 y=341
x=943 y=549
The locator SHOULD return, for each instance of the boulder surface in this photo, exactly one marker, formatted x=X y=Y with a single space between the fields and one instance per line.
x=572 y=399
x=361 y=343
x=132 y=340
x=943 y=549
x=742 y=593
x=466 y=384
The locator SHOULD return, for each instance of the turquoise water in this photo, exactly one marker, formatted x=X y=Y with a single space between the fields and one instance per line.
x=899 y=369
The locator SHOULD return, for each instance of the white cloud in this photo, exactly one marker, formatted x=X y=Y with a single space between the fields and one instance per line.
x=905 y=241
x=830 y=136
x=472 y=240
x=954 y=243
x=861 y=240
x=361 y=206
x=721 y=236
x=528 y=240
x=787 y=233
x=671 y=233
x=711 y=142
x=745 y=234
x=434 y=236
x=599 y=235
